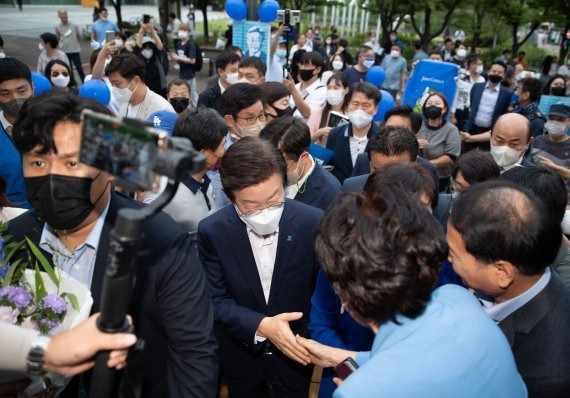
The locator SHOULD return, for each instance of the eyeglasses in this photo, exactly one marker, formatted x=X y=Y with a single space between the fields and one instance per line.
x=254 y=212
x=253 y=119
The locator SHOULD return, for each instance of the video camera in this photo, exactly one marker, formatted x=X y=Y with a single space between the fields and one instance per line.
x=288 y=17
x=134 y=152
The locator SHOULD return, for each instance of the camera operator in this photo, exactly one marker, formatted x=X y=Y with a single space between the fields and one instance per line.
x=75 y=211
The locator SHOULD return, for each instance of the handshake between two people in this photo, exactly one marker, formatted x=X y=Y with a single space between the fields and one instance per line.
x=300 y=349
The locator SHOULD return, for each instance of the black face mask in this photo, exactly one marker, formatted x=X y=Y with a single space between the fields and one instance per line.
x=63 y=202
x=558 y=91
x=306 y=74
x=433 y=112
x=179 y=103
x=495 y=78
x=283 y=112
x=12 y=107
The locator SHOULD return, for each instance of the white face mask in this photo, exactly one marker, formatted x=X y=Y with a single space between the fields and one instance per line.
x=60 y=81
x=147 y=54
x=182 y=34
x=264 y=223
x=119 y=42
x=2 y=55
x=394 y=53
x=244 y=80
x=232 y=78
x=122 y=95
x=368 y=63
x=359 y=118
x=337 y=65
x=328 y=41
x=462 y=53
x=505 y=156
x=479 y=69
x=335 y=97
x=555 y=128
x=566 y=223
x=393 y=37
x=294 y=176
x=41 y=47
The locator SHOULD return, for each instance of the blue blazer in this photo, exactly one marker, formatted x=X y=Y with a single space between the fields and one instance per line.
x=501 y=107
x=321 y=189
x=11 y=171
x=237 y=294
x=452 y=349
x=362 y=165
x=329 y=327
x=171 y=307
x=338 y=141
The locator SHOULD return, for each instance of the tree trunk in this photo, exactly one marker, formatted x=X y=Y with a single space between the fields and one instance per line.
x=425 y=38
x=479 y=14
x=205 y=17
x=515 y=46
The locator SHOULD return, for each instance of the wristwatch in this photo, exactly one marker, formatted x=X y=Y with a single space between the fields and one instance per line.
x=36 y=355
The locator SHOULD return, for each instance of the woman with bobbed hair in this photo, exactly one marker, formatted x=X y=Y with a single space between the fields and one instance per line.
x=381 y=253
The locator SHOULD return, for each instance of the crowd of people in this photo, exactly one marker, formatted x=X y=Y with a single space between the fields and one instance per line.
x=431 y=249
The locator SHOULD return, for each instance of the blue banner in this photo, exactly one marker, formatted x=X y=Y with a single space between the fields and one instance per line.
x=321 y=154
x=253 y=38
x=430 y=77
x=546 y=101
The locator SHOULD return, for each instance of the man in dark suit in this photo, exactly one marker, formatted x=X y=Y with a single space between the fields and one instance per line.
x=307 y=181
x=502 y=239
x=488 y=101
x=74 y=213
x=396 y=144
x=261 y=266
x=227 y=70
x=350 y=140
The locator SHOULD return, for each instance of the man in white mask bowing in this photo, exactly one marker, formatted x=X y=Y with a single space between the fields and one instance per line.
x=259 y=258
x=510 y=139
x=349 y=141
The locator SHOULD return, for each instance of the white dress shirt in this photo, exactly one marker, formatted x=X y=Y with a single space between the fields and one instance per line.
x=357 y=146
x=292 y=190
x=484 y=117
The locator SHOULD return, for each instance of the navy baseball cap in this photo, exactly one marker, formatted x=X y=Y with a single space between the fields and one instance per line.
x=559 y=109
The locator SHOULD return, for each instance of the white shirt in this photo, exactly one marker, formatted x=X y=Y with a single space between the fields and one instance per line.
x=81 y=263
x=375 y=46
x=293 y=189
x=306 y=47
x=498 y=312
x=315 y=96
x=222 y=88
x=462 y=100
x=133 y=110
x=484 y=117
x=357 y=146
x=6 y=125
x=275 y=69
x=264 y=252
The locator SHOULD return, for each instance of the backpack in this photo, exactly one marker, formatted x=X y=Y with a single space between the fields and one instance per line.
x=197 y=66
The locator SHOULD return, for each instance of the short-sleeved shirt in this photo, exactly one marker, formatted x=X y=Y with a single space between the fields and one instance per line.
x=558 y=152
x=186 y=70
x=67 y=35
x=393 y=67
x=43 y=60
x=99 y=28
x=354 y=76
x=315 y=96
x=443 y=141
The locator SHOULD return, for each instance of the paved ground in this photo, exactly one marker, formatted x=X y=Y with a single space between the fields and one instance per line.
x=21 y=30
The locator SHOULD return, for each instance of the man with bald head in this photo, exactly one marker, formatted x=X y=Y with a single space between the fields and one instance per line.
x=68 y=35
x=510 y=139
x=502 y=240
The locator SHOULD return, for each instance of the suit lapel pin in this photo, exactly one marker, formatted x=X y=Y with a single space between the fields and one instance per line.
x=289 y=238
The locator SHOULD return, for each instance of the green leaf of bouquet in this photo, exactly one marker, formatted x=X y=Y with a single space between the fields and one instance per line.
x=10 y=272
x=9 y=250
x=40 y=288
x=72 y=299
x=44 y=262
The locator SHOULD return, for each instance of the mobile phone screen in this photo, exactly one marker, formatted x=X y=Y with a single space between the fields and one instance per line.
x=125 y=151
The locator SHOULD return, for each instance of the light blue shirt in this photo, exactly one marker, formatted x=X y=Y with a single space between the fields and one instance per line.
x=484 y=117
x=81 y=262
x=452 y=350
x=393 y=67
x=99 y=28
x=499 y=312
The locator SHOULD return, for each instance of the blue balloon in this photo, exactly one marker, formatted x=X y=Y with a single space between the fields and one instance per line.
x=268 y=11
x=41 y=83
x=376 y=76
x=97 y=90
x=386 y=103
x=236 y=9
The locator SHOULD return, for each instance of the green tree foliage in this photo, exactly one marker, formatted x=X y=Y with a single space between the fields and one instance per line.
x=428 y=8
